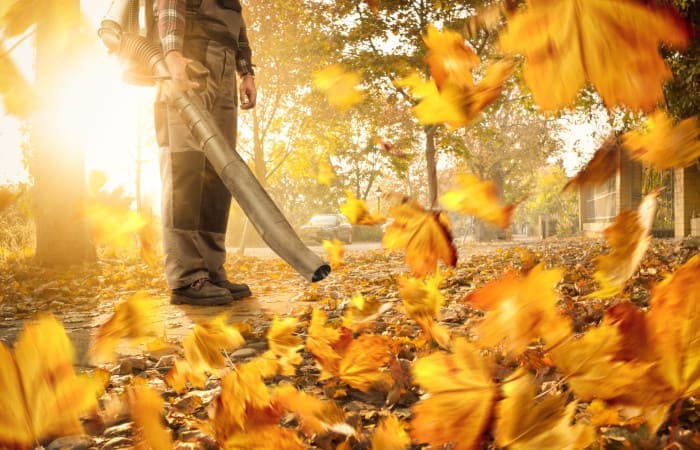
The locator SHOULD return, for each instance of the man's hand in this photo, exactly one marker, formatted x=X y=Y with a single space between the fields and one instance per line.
x=247 y=92
x=177 y=65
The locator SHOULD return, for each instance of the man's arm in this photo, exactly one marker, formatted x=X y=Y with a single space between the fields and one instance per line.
x=244 y=67
x=171 y=28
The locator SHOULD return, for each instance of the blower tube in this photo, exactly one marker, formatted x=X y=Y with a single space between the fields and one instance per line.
x=263 y=213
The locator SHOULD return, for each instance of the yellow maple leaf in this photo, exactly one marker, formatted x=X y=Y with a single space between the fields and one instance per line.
x=356 y=211
x=42 y=396
x=674 y=326
x=521 y=309
x=133 y=319
x=592 y=370
x=362 y=311
x=363 y=363
x=182 y=373
x=602 y=165
x=612 y=44
x=450 y=58
x=335 y=252
x=284 y=344
x=461 y=397
x=479 y=199
x=663 y=145
x=390 y=435
x=315 y=416
x=146 y=409
x=523 y=423
x=628 y=239
x=422 y=300
x=321 y=341
x=204 y=344
x=339 y=86
x=424 y=235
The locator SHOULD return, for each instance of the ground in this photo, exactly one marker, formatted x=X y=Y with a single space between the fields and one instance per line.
x=84 y=298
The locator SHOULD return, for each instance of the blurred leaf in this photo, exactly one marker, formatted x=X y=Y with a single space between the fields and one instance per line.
x=479 y=199
x=612 y=45
x=284 y=344
x=335 y=252
x=17 y=94
x=390 y=435
x=315 y=416
x=663 y=145
x=357 y=212
x=424 y=235
x=326 y=174
x=339 y=86
x=204 y=344
x=8 y=197
x=422 y=301
x=362 y=311
x=628 y=239
x=603 y=165
x=449 y=58
x=42 y=397
x=461 y=400
x=146 y=410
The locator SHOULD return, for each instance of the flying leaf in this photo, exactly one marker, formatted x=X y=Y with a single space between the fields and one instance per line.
x=315 y=416
x=479 y=199
x=390 y=435
x=674 y=326
x=461 y=397
x=663 y=145
x=149 y=244
x=614 y=45
x=449 y=58
x=389 y=148
x=422 y=301
x=600 y=168
x=17 y=94
x=146 y=409
x=335 y=252
x=357 y=212
x=42 y=396
x=521 y=309
x=523 y=423
x=425 y=236
x=284 y=344
x=182 y=373
x=628 y=239
x=132 y=319
x=203 y=345
x=326 y=174
x=339 y=86
x=363 y=362
x=321 y=342
x=362 y=311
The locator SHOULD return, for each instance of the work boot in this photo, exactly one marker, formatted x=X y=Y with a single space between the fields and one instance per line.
x=237 y=290
x=201 y=293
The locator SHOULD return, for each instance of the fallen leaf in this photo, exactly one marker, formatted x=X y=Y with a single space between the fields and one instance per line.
x=614 y=45
x=461 y=391
x=424 y=235
x=479 y=199
x=663 y=145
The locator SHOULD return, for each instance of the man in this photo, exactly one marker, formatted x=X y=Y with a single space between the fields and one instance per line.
x=195 y=201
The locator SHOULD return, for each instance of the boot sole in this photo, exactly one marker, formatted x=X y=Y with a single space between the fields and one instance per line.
x=176 y=299
x=237 y=295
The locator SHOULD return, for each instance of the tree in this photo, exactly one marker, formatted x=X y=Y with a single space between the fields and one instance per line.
x=56 y=164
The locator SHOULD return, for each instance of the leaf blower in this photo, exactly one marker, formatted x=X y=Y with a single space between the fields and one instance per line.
x=119 y=31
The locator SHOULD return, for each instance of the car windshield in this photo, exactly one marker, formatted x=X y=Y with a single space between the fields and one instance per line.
x=323 y=220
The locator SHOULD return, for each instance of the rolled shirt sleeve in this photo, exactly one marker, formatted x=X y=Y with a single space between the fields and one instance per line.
x=171 y=24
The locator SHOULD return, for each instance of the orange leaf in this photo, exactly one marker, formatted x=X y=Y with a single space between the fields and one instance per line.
x=663 y=145
x=390 y=435
x=320 y=343
x=42 y=396
x=425 y=235
x=674 y=325
x=628 y=239
x=335 y=252
x=339 y=86
x=316 y=416
x=363 y=362
x=361 y=311
x=612 y=44
x=203 y=345
x=357 y=212
x=524 y=423
x=146 y=410
x=133 y=319
x=600 y=168
x=480 y=199
x=460 y=404
x=520 y=310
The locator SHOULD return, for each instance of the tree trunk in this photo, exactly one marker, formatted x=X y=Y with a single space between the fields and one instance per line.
x=57 y=164
x=431 y=165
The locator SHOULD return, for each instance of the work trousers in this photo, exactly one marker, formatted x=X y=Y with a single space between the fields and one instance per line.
x=195 y=202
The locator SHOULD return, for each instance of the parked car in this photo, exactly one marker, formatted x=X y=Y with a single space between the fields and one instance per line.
x=327 y=226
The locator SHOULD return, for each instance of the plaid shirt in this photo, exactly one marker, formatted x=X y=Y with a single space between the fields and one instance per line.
x=171 y=27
